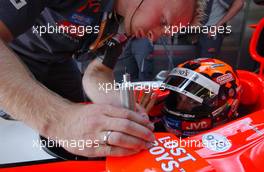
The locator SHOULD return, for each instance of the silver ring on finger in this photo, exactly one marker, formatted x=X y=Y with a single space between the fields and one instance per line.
x=106 y=137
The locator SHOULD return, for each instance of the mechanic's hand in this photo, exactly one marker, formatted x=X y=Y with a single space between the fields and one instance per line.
x=131 y=131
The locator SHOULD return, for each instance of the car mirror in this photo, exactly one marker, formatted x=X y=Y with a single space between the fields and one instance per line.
x=257 y=46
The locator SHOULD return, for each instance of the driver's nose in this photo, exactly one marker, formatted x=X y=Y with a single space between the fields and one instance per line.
x=183 y=103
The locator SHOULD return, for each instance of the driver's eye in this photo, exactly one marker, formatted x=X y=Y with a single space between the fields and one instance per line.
x=193 y=102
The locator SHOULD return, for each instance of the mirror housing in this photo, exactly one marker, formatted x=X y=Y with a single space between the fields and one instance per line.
x=257 y=46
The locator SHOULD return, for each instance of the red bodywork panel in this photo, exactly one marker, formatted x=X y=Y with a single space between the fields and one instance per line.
x=246 y=153
x=247 y=150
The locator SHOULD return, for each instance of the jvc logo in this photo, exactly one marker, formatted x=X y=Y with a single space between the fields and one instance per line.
x=196 y=125
x=18 y=3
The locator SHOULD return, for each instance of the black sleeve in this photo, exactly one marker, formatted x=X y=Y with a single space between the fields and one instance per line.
x=20 y=15
x=111 y=55
x=113 y=49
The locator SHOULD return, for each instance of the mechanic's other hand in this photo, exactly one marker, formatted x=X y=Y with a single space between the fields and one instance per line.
x=131 y=131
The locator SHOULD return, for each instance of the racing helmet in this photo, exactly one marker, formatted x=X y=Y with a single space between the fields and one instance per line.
x=204 y=93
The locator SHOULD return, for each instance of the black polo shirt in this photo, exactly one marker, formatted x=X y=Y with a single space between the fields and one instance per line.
x=33 y=23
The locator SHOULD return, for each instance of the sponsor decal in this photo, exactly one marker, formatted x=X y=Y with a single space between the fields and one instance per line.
x=200 y=125
x=216 y=142
x=253 y=127
x=189 y=133
x=117 y=39
x=217 y=65
x=218 y=111
x=172 y=122
x=18 y=4
x=182 y=72
x=224 y=78
x=184 y=115
x=234 y=105
x=204 y=60
x=170 y=155
x=196 y=77
x=81 y=19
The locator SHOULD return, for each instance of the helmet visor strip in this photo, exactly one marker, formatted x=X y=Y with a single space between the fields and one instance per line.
x=191 y=84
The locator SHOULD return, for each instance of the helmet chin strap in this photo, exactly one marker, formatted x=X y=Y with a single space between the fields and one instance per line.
x=132 y=17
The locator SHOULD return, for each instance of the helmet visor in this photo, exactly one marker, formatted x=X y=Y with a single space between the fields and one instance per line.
x=191 y=84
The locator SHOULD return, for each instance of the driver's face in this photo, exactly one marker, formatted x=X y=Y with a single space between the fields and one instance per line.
x=152 y=17
x=185 y=103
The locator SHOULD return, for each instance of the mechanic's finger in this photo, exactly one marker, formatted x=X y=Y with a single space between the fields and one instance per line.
x=131 y=128
x=137 y=92
x=152 y=102
x=140 y=109
x=143 y=95
x=146 y=99
x=126 y=141
x=140 y=118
